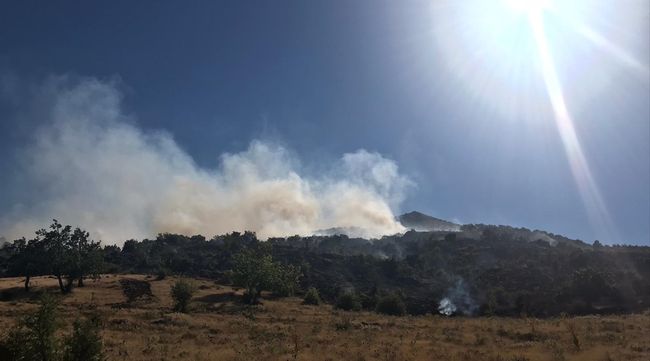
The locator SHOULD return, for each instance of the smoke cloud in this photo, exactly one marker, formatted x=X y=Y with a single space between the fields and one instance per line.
x=89 y=165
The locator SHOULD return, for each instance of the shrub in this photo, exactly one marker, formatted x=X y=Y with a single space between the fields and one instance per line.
x=344 y=324
x=85 y=342
x=33 y=338
x=311 y=297
x=135 y=290
x=348 y=301
x=391 y=304
x=161 y=274
x=182 y=292
x=368 y=301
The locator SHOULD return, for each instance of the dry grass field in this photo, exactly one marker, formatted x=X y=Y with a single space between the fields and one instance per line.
x=220 y=328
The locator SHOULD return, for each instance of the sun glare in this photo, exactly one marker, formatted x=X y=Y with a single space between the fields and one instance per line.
x=528 y=6
x=514 y=56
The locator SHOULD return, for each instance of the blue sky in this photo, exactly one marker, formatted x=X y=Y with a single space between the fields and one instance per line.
x=331 y=77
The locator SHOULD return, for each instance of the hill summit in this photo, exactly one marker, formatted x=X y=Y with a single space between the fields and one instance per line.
x=424 y=223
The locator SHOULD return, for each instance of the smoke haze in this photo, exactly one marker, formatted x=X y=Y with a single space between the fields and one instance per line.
x=89 y=165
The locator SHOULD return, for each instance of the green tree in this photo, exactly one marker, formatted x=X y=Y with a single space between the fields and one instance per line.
x=56 y=241
x=285 y=279
x=253 y=271
x=85 y=257
x=60 y=251
x=28 y=259
x=256 y=271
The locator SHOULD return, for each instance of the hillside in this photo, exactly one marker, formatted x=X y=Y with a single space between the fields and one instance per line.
x=220 y=327
x=480 y=270
x=483 y=269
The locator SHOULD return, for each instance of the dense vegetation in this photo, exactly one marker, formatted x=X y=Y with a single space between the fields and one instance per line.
x=481 y=270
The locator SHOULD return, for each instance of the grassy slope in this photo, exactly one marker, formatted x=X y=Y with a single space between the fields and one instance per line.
x=220 y=329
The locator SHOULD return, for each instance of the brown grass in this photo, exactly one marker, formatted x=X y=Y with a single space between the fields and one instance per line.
x=220 y=328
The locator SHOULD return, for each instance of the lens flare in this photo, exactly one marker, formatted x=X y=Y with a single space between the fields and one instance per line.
x=618 y=53
x=594 y=203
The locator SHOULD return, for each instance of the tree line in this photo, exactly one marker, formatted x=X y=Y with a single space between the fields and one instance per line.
x=503 y=270
x=68 y=254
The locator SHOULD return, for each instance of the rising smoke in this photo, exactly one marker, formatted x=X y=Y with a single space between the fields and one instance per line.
x=89 y=165
x=457 y=300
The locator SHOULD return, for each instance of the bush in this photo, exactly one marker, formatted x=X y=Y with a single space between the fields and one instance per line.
x=368 y=301
x=391 y=304
x=33 y=338
x=161 y=274
x=348 y=302
x=182 y=292
x=345 y=324
x=85 y=342
x=311 y=297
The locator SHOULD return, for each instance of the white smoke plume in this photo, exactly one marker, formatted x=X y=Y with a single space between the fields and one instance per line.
x=91 y=166
x=457 y=300
x=446 y=307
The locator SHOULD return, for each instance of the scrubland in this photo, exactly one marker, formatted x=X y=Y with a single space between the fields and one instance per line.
x=220 y=327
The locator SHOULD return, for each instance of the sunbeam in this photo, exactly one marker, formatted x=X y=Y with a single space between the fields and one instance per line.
x=619 y=54
x=594 y=203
